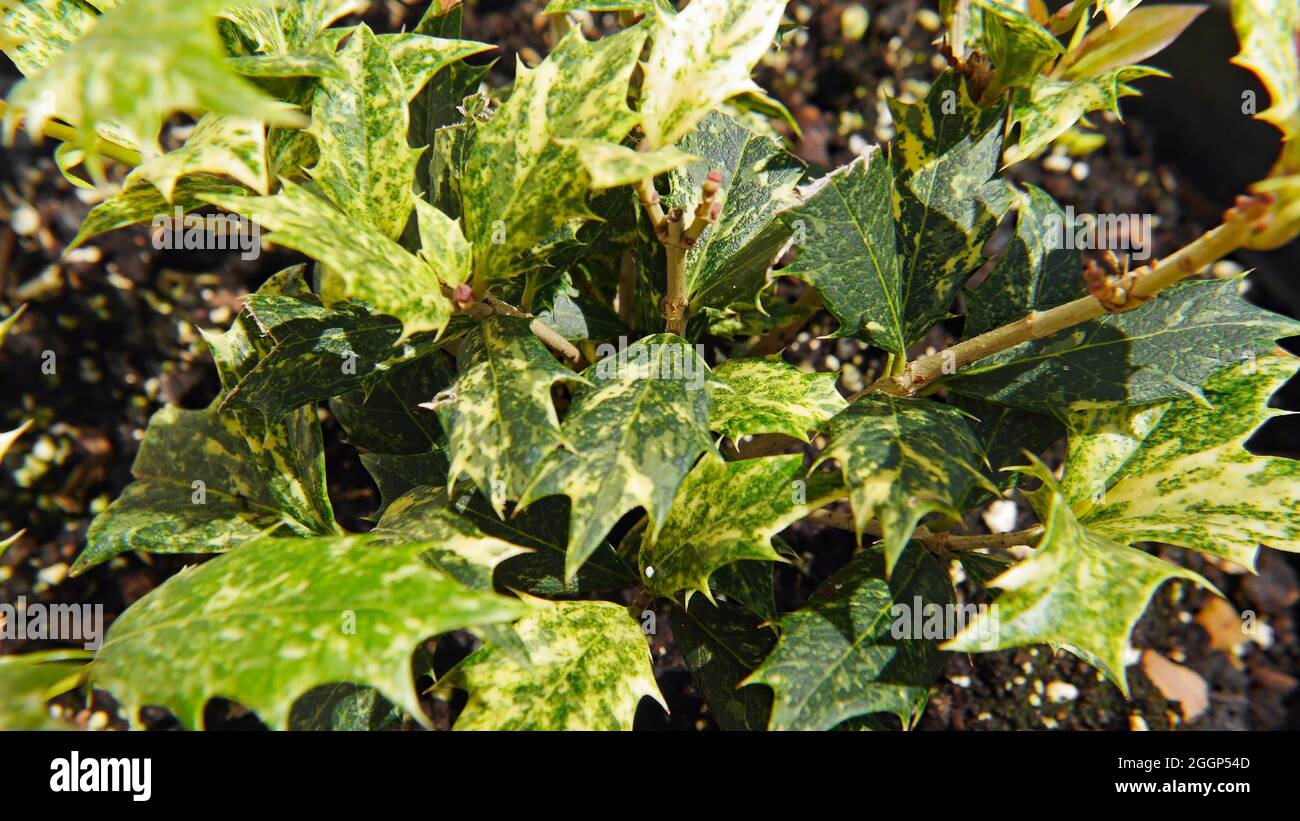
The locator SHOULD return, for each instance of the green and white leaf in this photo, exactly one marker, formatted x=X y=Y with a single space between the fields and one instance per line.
x=143 y=202
x=418 y=57
x=360 y=122
x=521 y=183
x=166 y=511
x=162 y=57
x=1037 y=270
x=632 y=434
x=610 y=165
x=726 y=512
x=591 y=668
x=839 y=656
x=701 y=58
x=947 y=197
x=1267 y=31
x=362 y=263
x=1180 y=473
x=845 y=248
x=29 y=680
x=275 y=618
x=1048 y=108
x=460 y=550
x=1161 y=351
x=729 y=264
x=499 y=418
x=220 y=146
x=903 y=459
x=769 y=396
x=1079 y=591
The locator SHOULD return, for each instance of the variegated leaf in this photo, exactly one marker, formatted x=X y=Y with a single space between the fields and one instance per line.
x=1019 y=47
x=1180 y=473
x=286 y=445
x=1267 y=30
x=729 y=264
x=1048 y=108
x=726 y=512
x=459 y=549
x=845 y=248
x=29 y=680
x=386 y=418
x=274 y=618
x=722 y=644
x=143 y=202
x=1145 y=32
x=360 y=124
x=903 y=459
x=418 y=57
x=702 y=57
x=287 y=350
x=544 y=527
x=437 y=105
x=1004 y=434
x=1161 y=351
x=361 y=262
x=840 y=655
x=286 y=65
x=769 y=396
x=1039 y=268
x=947 y=198
x=219 y=146
x=442 y=245
x=631 y=437
x=499 y=418
x=1079 y=590
x=161 y=57
x=1115 y=10
x=639 y=6
x=610 y=165
x=35 y=32
x=591 y=668
x=520 y=183
x=197 y=490
x=397 y=474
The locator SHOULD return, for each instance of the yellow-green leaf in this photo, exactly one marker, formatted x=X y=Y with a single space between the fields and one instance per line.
x=726 y=512
x=220 y=146
x=360 y=122
x=769 y=396
x=499 y=417
x=361 y=262
x=702 y=57
x=1079 y=591
x=274 y=618
x=520 y=183
x=610 y=165
x=1180 y=472
x=140 y=62
x=903 y=459
x=591 y=668
x=631 y=436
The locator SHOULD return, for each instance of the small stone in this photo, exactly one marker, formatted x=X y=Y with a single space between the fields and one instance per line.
x=98 y=721
x=1001 y=516
x=1137 y=723
x=54 y=574
x=1062 y=691
x=25 y=220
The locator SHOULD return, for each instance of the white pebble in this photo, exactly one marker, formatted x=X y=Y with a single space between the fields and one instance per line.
x=1060 y=691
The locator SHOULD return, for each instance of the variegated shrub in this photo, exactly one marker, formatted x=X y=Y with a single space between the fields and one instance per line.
x=550 y=318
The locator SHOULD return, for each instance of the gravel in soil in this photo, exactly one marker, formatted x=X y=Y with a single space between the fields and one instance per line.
x=120 y=321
